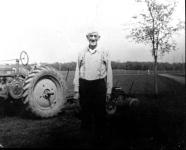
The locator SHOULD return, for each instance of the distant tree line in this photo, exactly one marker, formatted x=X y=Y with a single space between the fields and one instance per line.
x=127 y=66
x=64 y=66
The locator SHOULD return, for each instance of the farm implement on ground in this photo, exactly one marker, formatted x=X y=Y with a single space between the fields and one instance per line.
x=119 y=98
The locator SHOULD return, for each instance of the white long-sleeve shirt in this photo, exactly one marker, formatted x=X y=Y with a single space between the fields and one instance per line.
x=93 y=65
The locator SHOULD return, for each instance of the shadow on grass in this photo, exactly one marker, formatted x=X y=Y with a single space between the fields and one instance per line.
x=155 y=124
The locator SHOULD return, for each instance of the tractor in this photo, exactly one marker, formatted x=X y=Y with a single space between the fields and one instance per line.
x=41 y=89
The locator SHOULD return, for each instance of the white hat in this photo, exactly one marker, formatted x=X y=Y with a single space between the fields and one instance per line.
x=92 y=29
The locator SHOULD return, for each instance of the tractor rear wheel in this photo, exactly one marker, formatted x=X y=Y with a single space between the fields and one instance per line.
x=44 y=92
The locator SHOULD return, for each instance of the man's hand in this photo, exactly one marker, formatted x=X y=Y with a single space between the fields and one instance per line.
x=76 y=95
x=108 y=97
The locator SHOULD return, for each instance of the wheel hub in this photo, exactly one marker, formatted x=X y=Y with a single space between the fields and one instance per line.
x=45 y=93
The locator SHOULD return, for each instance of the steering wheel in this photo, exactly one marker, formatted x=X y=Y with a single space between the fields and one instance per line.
x=24 y=58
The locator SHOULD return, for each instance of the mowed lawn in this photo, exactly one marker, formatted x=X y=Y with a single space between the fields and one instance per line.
x=157 y=123
x=143 y=83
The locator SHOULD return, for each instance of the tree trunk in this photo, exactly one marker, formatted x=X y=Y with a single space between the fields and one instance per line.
x=155 y=76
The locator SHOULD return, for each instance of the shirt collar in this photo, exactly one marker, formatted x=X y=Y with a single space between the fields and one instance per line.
x=92 y=51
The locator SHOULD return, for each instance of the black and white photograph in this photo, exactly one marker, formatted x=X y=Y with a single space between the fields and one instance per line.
x=92 y=74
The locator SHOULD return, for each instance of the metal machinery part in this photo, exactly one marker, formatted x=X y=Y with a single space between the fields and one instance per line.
x=111 y=108
x=120 y=98
x=117 y=97
x=24 y=58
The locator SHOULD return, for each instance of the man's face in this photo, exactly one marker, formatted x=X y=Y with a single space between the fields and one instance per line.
x=93 y=38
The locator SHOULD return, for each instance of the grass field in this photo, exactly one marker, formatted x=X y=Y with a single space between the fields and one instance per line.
x=156 y=124
x=142 y=82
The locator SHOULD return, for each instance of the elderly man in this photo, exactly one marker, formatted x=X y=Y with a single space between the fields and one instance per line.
x=93 y=84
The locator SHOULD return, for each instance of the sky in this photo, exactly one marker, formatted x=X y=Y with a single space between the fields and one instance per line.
x=55 y=30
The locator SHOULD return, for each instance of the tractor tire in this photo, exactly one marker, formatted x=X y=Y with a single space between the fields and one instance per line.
x=15 y=88
x=44 y=92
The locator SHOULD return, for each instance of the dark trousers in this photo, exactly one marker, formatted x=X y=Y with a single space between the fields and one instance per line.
x=92 y=102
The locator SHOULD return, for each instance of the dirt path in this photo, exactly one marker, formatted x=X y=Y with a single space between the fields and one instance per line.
x=179 y=79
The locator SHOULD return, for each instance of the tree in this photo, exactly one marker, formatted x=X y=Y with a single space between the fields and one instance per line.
x=155 y=29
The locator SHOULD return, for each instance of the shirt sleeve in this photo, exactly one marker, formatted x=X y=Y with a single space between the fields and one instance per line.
x=76 y=77
x=109 y=74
